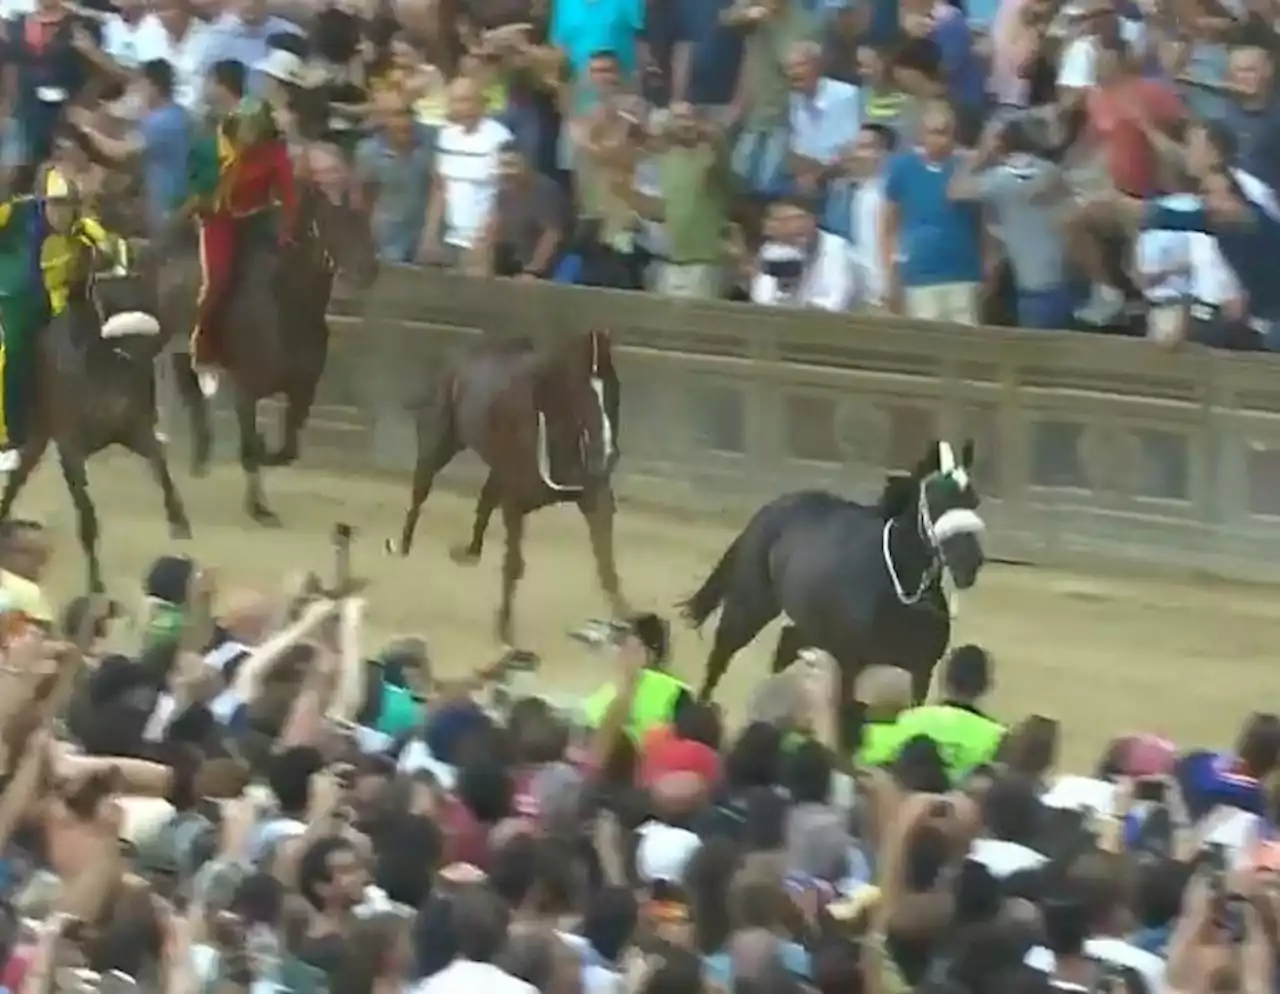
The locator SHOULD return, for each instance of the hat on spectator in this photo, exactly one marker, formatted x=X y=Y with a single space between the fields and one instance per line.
x=664 y=852
x=168 y=578
x=283 y=66
x=665 y=752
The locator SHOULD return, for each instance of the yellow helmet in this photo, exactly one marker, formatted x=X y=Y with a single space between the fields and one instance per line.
x=57 y=187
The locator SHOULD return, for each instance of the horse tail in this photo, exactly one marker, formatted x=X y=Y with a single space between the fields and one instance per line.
x=699 y=606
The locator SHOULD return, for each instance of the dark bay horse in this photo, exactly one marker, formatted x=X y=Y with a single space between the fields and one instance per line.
x=863 y=583
x=545 y=421
x=95 y=388
x=274 y=327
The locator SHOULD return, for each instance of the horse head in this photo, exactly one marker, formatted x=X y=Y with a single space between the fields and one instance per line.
x=946 y=503
x=579 y=377
x=344 y=233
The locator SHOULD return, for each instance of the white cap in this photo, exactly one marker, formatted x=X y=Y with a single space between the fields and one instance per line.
x=664 y=852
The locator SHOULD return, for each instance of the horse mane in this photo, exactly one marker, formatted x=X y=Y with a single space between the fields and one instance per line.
x=896 y=495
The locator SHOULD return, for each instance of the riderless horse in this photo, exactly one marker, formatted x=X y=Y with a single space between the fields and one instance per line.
x=96 y=389
x=863 y=583
x=275 y=331
x=546 y=422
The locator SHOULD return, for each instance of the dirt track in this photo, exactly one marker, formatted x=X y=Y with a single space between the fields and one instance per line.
x=1101 y=654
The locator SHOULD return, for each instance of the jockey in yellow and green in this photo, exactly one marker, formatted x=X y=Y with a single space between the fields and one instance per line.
x=37 y=238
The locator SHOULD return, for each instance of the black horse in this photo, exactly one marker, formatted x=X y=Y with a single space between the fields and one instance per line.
x=863 y=583
x=96 y=389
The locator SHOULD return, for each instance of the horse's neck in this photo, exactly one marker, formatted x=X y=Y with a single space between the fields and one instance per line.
x=912 y=554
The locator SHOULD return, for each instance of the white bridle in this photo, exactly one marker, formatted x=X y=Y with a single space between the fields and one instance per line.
x=956 y=521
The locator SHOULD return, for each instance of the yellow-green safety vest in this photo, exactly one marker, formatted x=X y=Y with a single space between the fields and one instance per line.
x=654 y=700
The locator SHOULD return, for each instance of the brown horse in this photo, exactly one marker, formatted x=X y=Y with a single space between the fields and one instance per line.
x=96 y=389
x=275 y=330
x=545 y=421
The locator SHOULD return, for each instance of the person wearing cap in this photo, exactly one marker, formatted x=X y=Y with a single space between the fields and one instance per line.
x=657 y=693
x=23 y=310
x=254 y=172
x=965 y=736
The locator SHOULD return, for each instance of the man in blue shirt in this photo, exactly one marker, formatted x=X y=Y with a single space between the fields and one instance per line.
x=704 y=65
x=162 y=142
x=1253 y=116
x=582 y=28
x=930 y=244
x=395 y=166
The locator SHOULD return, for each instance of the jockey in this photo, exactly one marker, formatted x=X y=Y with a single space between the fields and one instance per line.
x=253 y=173
x=67 y=225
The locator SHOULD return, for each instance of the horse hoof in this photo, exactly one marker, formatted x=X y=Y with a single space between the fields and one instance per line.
x=200 y=468
x=282 y=457
x=180 y=531
x=264 y=517
x=463 y=555
x=505 y=631
x=392 y=548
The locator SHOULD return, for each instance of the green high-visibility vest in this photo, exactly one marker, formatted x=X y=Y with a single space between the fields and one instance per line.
x=965 y=738
x=654 y=700
x=881 y=741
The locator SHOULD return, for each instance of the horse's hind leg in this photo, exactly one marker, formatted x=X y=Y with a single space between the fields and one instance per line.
x=73 y=471
x=598 y=508
x=486 y=504
x=435 y=450
x=151 y=449
x=184 y=378
x=512 y=569
x=28 y=459
x=297 y=410
x=741 y=619
x=255 y=500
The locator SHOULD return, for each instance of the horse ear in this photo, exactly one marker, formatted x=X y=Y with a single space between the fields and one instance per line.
x=966 y=454
x=929 y=463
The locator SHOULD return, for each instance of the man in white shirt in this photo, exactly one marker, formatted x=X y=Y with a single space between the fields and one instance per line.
x=468 y=151
x=173 y=33
x=875 y=144
x=800 y=265
x=1162 y=265
x=1216 y=306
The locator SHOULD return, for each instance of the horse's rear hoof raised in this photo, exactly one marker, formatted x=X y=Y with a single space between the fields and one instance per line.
x=265 y=517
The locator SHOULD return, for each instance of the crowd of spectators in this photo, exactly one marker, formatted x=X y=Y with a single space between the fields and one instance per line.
x=247 y=802
x=1103 y=164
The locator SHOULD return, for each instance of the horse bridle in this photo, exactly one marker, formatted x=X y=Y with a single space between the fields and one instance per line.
x=953 y=521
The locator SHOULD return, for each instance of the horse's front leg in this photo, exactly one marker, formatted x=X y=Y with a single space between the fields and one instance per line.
x=512 y=569
x=486 y=504
x=29 y=457
x=73 y=471
x=151 y=449
x=188 y=387
x=297 y=411
x=597 y=508
x=255 y=499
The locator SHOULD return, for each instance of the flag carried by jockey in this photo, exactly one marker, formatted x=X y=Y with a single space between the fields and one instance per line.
x=240 y=170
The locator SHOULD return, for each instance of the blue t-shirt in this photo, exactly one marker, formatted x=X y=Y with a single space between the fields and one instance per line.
x=716 y=51
x=166 y=142
x=585 y=27
x=961 y=68
x=939 y=238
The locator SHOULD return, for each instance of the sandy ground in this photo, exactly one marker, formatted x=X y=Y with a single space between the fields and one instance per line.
x=1102 y=654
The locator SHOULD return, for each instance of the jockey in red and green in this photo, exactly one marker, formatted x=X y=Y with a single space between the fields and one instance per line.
x=239 y=171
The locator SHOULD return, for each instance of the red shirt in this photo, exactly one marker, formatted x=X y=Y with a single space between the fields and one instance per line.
x=261 y=174
x=663 y=753
x=1131 y=160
